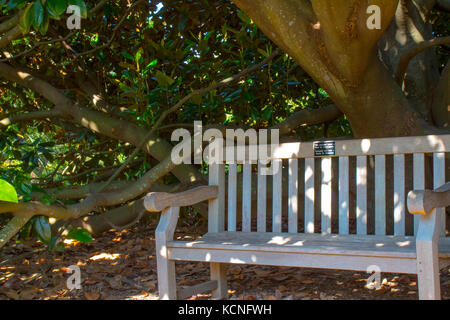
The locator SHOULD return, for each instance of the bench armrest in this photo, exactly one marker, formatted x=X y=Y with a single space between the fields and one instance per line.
x=424 y=201
x=158 y=201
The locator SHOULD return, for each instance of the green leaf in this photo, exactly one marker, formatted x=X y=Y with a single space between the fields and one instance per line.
x=138 y=55
x=163 y=79
x=26 y=19
x=44 y=26
x=127 y=55
x=14 y=3
x=58 y=7
x=80 y=234
x=38 y=14
x=244 y=17
x=150 y=65
x=7 y=192
x=197 y=99
x=82 y=5
x=54 y=245
x=43 y=229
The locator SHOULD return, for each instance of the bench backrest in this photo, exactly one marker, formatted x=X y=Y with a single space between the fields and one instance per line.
x=341 y=186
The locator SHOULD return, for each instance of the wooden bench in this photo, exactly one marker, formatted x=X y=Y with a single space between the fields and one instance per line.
x=317 y=233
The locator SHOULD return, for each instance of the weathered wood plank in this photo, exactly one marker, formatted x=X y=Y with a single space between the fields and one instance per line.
x=289 y=259
x=326 y=195
x=361 y=195
x=166 y=267
x=232 y=196
x=418 y=180
x=293 y=196
x=439 y=180
x=358 y=147
x=158 y=201
x=219 y=275
x=399 y=194
x=262 y=197
x=344 y=195
x=216 y=207
x=196 y=289
x=276 y=195
x=309 y=195
x=380 y=194
x=247 y=197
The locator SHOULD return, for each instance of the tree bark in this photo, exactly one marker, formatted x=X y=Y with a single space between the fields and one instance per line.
x=331 y=41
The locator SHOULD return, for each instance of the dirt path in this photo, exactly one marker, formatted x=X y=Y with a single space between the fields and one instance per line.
x=122 y=265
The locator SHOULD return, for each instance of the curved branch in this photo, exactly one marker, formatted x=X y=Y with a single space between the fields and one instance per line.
x=10 y=23
x=414 y=51
x=35 y=115
x=14 y=226
x=9 y=36
x=94 y=201
x=308 y=117
x=36 y=45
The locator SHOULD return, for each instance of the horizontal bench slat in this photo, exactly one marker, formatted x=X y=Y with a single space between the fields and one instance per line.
x=293 y=259
x=355 y=147
x=368 y=245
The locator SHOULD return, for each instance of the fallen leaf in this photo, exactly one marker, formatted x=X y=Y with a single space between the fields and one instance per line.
x=29 y=293
x=302 y=294
x=282 y=288
x=281 y=278
x=93 y=295
x=324 y=296
x=12 y=294
x=235 y=270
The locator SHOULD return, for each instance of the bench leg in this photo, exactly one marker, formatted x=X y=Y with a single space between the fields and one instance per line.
x=167 y=286
x=219 y=273
x=428 y=271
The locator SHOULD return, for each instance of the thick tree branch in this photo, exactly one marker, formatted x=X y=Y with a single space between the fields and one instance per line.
x=35 y=46
x=99 y=122
x=9 y=36
x=414 y=51
x=35 y=115
x=440 y=107
x=94 y=201
x=14 y=226
x=308 y=117
x=10 y=23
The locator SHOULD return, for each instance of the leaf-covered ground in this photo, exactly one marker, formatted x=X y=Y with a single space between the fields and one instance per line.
x=122 y=265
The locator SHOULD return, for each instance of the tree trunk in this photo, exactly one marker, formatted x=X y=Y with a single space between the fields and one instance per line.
x=331 y=41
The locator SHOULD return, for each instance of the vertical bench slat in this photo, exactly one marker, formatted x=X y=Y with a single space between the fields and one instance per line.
x=380 y=194
x=399 y=194
x=326 y=195
x=293 y=196
x=232 y=198
x=418 y=180
x=276 y=195
x=343 y=195
x=361 y=195
x=309 y=195
x=262 y=197
x=247 y=197
x=216 y=207
x=439 y=180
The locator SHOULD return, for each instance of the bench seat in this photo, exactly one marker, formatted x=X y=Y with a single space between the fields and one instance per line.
x=330 y=251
